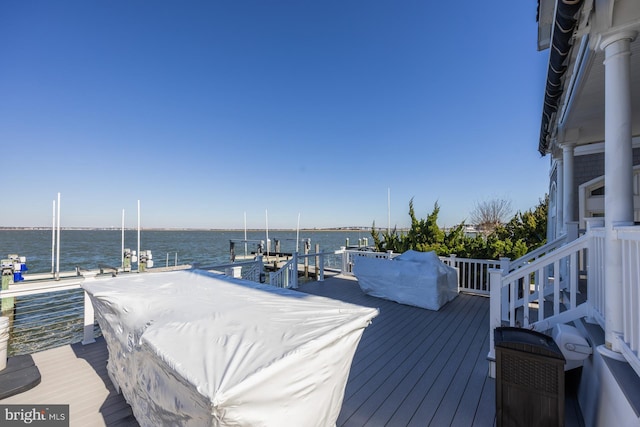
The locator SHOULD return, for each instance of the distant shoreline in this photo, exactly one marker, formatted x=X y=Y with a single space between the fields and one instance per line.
x=338 y=229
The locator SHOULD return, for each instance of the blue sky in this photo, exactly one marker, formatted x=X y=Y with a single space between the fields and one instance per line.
x=207 y=110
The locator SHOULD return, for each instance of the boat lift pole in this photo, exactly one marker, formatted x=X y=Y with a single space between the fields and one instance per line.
x=53 y=239
x=298 y=233
x=266 y=224
x=138 y=253
x=122 y=246
x=58 y=244
x=389 y=210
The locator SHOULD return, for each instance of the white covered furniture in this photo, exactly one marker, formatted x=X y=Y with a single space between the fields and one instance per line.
x=193 y=348
x=412 y=278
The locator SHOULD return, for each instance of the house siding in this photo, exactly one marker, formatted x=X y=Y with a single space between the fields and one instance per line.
x=588 y=167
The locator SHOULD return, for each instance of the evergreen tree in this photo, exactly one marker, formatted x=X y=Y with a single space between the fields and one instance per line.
x=523 y=233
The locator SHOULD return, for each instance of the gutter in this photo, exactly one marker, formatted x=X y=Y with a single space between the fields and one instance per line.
x=564 y=25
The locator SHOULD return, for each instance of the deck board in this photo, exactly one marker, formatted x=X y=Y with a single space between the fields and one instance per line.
x=423 y=343
x=76 y=375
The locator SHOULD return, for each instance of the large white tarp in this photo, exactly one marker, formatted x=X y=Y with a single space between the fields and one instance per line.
x=194 y=348
x=413 y=278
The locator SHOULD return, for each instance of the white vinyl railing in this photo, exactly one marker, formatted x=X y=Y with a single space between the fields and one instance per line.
x=629 y=238
x=50 y=313
x=531 y=296
x=249 y=270
x=287 y=275
x=473 y=274
x=595 y=278
x=349 y=257
x=537 y=253
x=541 y=285
x=546 y=291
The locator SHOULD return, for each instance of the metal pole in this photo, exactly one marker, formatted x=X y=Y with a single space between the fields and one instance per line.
x=389 y=210
x=298 y=232
x=53 y=238
x=245 y=235
x=317 y=262
x=122 y=248
x=266 y=222
x=58 y=243
x=138 y=252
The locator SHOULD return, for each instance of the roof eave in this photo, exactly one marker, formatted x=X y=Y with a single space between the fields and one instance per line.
x=565 y=20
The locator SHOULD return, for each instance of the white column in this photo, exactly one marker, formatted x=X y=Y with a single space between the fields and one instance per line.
x=559 y=198
x=618 y=201
x=567 y=185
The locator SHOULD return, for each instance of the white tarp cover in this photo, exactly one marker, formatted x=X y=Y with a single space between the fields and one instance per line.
x=413 y=278
x=195 y=348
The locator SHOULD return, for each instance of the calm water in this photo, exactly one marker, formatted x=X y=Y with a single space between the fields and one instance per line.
x=88 y=249
x=53 y=319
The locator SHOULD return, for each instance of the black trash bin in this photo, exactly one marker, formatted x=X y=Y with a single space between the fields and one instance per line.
x=529 y=379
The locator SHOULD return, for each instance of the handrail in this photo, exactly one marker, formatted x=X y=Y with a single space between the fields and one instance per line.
x=629 y=339
x=558 y=253
x=24 y=289
x=536 y=253
x=563 y=260
x=528 y=286
x=287 y=276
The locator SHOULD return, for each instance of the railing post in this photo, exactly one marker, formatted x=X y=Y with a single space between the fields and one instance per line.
x=345 y=258
x=495 y=315
x=306 y=261
x=505 y=264
x=294 y=271
x=452 y=263
x=89 y=320
x=321 y=275
x=316 y=261
x=260 y=267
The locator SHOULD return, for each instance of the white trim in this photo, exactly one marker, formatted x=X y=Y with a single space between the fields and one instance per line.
x=583 y=58
x=598 y=147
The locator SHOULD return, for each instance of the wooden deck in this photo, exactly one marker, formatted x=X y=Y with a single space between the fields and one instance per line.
x=417 y=367
x=413 y=367
x=76 y=375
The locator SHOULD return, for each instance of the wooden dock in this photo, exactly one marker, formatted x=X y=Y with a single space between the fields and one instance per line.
x=413 y=367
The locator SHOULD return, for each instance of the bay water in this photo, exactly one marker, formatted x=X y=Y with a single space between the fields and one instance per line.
x=53 y=319
x=88 y=249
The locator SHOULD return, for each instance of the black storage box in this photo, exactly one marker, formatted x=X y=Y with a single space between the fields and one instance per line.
x=529 y=379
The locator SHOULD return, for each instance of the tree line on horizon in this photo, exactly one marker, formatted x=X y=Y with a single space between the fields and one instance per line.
x=524 y=232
